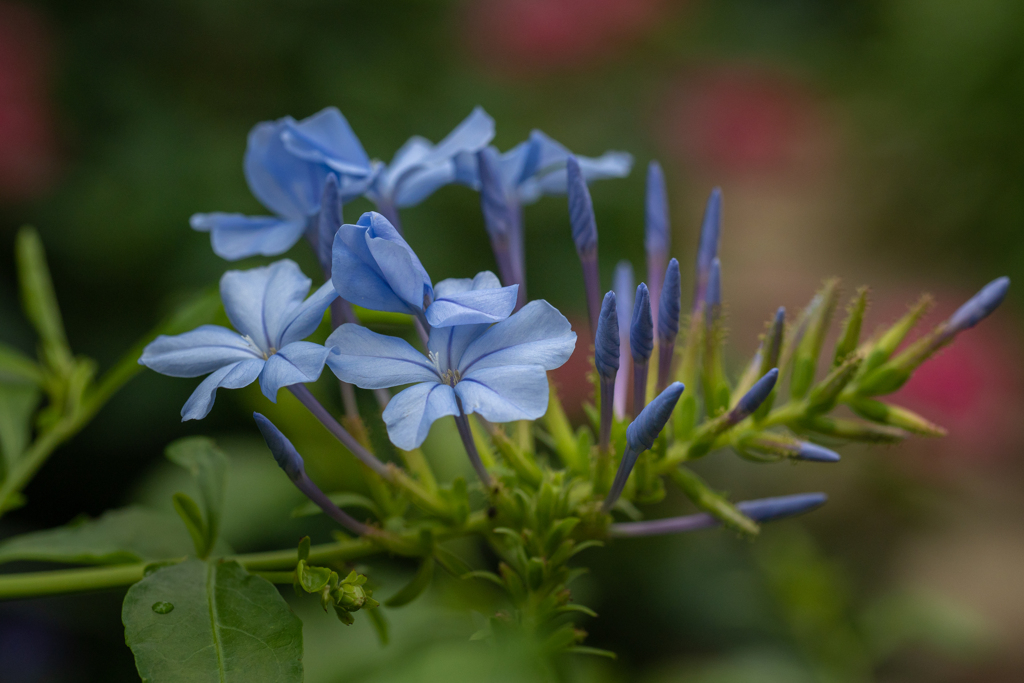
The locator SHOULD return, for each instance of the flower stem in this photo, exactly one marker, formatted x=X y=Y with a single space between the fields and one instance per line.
x=314 y=406
x=462 y=422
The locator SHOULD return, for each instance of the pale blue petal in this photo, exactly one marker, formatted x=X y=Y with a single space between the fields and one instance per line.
x=536 y=335
x=485 y=279
x=447 y=344
x=474 y=133
x=327 y=138
x=504 y=394
x=283 y=294
x=411 y=412
x=196 y=353
x=297 y=363
x=473 y=307
x=397 y=261
x=419 y=184
x=608 y=165
x=235 y=236
x=245 y=294
x=285 y=184
x=233 y=376
x=376 y=361
x=307 y=316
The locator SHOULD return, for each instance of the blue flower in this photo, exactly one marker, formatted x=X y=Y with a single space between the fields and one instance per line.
x=288 y=185
x=536 y=167
x=374 y=267
x=267 y=308
x=497 y=371
x=420 y=167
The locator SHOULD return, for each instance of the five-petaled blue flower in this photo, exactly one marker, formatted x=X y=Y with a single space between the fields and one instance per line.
x=374 y=267
x=498 y=371
x=266 y=306
x=287 y=184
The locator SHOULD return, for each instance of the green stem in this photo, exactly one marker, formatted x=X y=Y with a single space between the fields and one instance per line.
x=35 y=584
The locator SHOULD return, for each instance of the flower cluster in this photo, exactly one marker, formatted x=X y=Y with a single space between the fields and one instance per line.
x=485 y=351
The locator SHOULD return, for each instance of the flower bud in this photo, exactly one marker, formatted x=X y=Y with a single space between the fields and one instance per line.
x=642 y=432
x=753 y=399
x=282 y=449
x=767 y=509
x=606 y=345
x=668 y=314
x=328 y=222
x=707 y=251
x=641 y=328
x=581 y=209
x=979 y=306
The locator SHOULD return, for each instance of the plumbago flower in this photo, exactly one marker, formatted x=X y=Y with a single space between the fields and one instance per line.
x=374 y=267
x=498 y=371
x=267 y=307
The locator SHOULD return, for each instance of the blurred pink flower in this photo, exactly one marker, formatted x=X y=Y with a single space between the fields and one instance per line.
x=747 y=120
x=526 y=36
x=27 y=145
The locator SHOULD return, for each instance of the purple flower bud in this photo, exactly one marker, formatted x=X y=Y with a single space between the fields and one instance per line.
x=641 y=328
x=493 y=201
x=329 y=221
x=668 y=313
x=581 y=209
x=656 y=232
x=815 y=453
x=284 y=452
x=979 y=306
x=606 y=345
x=623 y=285
x=767 y=509
x=755 y=397
x=714 y=291
x=708 y=249
x=642 y=431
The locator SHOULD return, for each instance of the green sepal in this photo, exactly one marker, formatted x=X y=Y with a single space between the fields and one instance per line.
x=414 y=588
x=558 y=426
x=886 y=345
x=713 y=503
x=805 y=358
x=853 y=430
x=849 y=338
x=824 y=395
x=575 y=608
x=895 y=416
x=591 y=651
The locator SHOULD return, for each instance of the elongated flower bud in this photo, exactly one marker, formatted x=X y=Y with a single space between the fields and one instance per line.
x=753 y=399
x=291 y=462
x=640 y=436
x=641 y=345
x=775 y=446
x=497 y=213
x=657 y=235
x=713 y=294
x=761 y=510
x=979 y=306
x=623 y=285
x=641 y=327
x=606 y=361
x=815 y=453
x=668 y=323
x=584 y=234
x=328 y=223
x=707 y=251
x=288 y=459
x=606 y=346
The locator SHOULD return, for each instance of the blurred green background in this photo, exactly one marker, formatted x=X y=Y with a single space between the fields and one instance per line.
x=877 y=141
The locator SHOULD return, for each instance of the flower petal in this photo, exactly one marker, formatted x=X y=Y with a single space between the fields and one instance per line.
x=306 y=317
x=376 y=361
x=327 y=138
x=284 y=183
x=473 y=307
x=296 y=363
x=196 y=353
x=485 y=279
x=536 y=335
x=375 y=268
x=504 y=394
x=447 y=344
x=235 y=236
x=234 y=376
x=417 y=184
x=411 y=412
x=257 y=300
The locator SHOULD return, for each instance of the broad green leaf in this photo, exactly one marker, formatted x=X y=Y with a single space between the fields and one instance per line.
x=211 y=622
x=190 y=514
x=208 y=466
x=39 y=301
x=18 y=403
x=131 y=534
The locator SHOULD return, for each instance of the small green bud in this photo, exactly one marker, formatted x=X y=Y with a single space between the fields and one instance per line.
x=881 y=350
x=854 y=430
x=805 y=359
x=895 y=416
x=850 y=336
x=824 y=395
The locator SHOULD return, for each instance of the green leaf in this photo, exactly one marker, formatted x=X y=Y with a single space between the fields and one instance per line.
x=344 y=499
x=17 y=368
x=192 y=516
x=18 y=403
x=380 y=624
x=208 y=466
x=199 y=622
x=414 y=588
x=39 y=301
x=130 y=534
